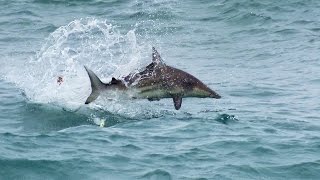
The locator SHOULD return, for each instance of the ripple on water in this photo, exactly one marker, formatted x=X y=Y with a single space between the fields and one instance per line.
x=263 y=150
x=46 y=28
x=242 y=171
x=270 y=130
x=132 y=147
x=157 y=174
x=304 y=170
x=24 y=13
x=287 y=32
x=39 y=169
x=226 y=118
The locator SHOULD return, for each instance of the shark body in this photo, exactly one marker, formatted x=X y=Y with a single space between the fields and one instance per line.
x=155 y=82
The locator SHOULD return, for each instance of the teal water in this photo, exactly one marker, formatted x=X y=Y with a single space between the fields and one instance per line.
x=261 y=56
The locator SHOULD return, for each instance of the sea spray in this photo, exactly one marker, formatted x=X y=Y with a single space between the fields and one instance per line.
x=55 y=75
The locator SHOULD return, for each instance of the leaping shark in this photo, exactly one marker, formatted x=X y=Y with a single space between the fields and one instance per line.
x=155 y=82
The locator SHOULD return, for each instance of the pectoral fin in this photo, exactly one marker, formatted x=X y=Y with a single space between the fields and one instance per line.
x=177 y=102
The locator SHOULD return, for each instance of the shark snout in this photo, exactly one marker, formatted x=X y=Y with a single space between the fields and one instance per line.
x=215 y=95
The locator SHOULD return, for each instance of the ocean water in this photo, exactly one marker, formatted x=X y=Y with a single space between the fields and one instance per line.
x=261 y=56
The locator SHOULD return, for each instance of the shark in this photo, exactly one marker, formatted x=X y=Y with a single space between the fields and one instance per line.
x=156 y=81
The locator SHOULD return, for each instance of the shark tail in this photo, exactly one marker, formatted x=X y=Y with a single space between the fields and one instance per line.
x=96 y=86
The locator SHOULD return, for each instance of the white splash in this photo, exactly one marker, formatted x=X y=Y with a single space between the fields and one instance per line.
x=55 y=75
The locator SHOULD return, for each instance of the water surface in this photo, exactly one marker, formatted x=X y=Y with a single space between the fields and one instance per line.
x=261 y=56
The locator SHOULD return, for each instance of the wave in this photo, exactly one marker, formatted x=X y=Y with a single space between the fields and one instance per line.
x=157 y=174
x=24 y=13
x=44 y=169
x=303 y=170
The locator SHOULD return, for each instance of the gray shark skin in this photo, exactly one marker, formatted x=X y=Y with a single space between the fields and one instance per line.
x=155 y=82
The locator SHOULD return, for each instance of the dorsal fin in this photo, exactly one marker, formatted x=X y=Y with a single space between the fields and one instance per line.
x=156 y=61
x=156 y=58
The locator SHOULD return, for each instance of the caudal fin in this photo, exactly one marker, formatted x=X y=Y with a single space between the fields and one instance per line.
x=96 y=86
